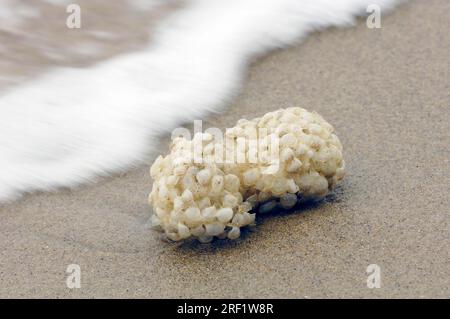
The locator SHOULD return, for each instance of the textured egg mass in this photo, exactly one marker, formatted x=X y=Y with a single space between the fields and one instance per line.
x=213 y=186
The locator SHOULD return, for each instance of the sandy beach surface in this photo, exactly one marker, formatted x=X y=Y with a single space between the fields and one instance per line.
x=387 y=93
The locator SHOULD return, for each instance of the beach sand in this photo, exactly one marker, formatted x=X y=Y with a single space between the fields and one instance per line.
x=387 y=93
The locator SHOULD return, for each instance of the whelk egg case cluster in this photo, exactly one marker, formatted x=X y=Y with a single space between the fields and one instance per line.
x=212 y=187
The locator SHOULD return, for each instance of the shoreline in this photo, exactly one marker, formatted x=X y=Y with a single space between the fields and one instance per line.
x=387 y=98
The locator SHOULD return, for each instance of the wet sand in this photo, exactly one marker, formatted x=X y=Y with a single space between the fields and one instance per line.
x=387 y=93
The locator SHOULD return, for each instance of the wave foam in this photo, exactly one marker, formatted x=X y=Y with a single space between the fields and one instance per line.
x=71 y=125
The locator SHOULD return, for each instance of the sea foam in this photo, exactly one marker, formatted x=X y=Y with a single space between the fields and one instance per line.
x=71 y=125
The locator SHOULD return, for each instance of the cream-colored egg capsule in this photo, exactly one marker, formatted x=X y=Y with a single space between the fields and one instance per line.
x=276 y=161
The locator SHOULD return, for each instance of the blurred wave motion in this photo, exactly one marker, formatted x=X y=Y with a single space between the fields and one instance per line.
x=69 y=125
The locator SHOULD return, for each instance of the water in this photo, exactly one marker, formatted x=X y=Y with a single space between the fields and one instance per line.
x=65 y=125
